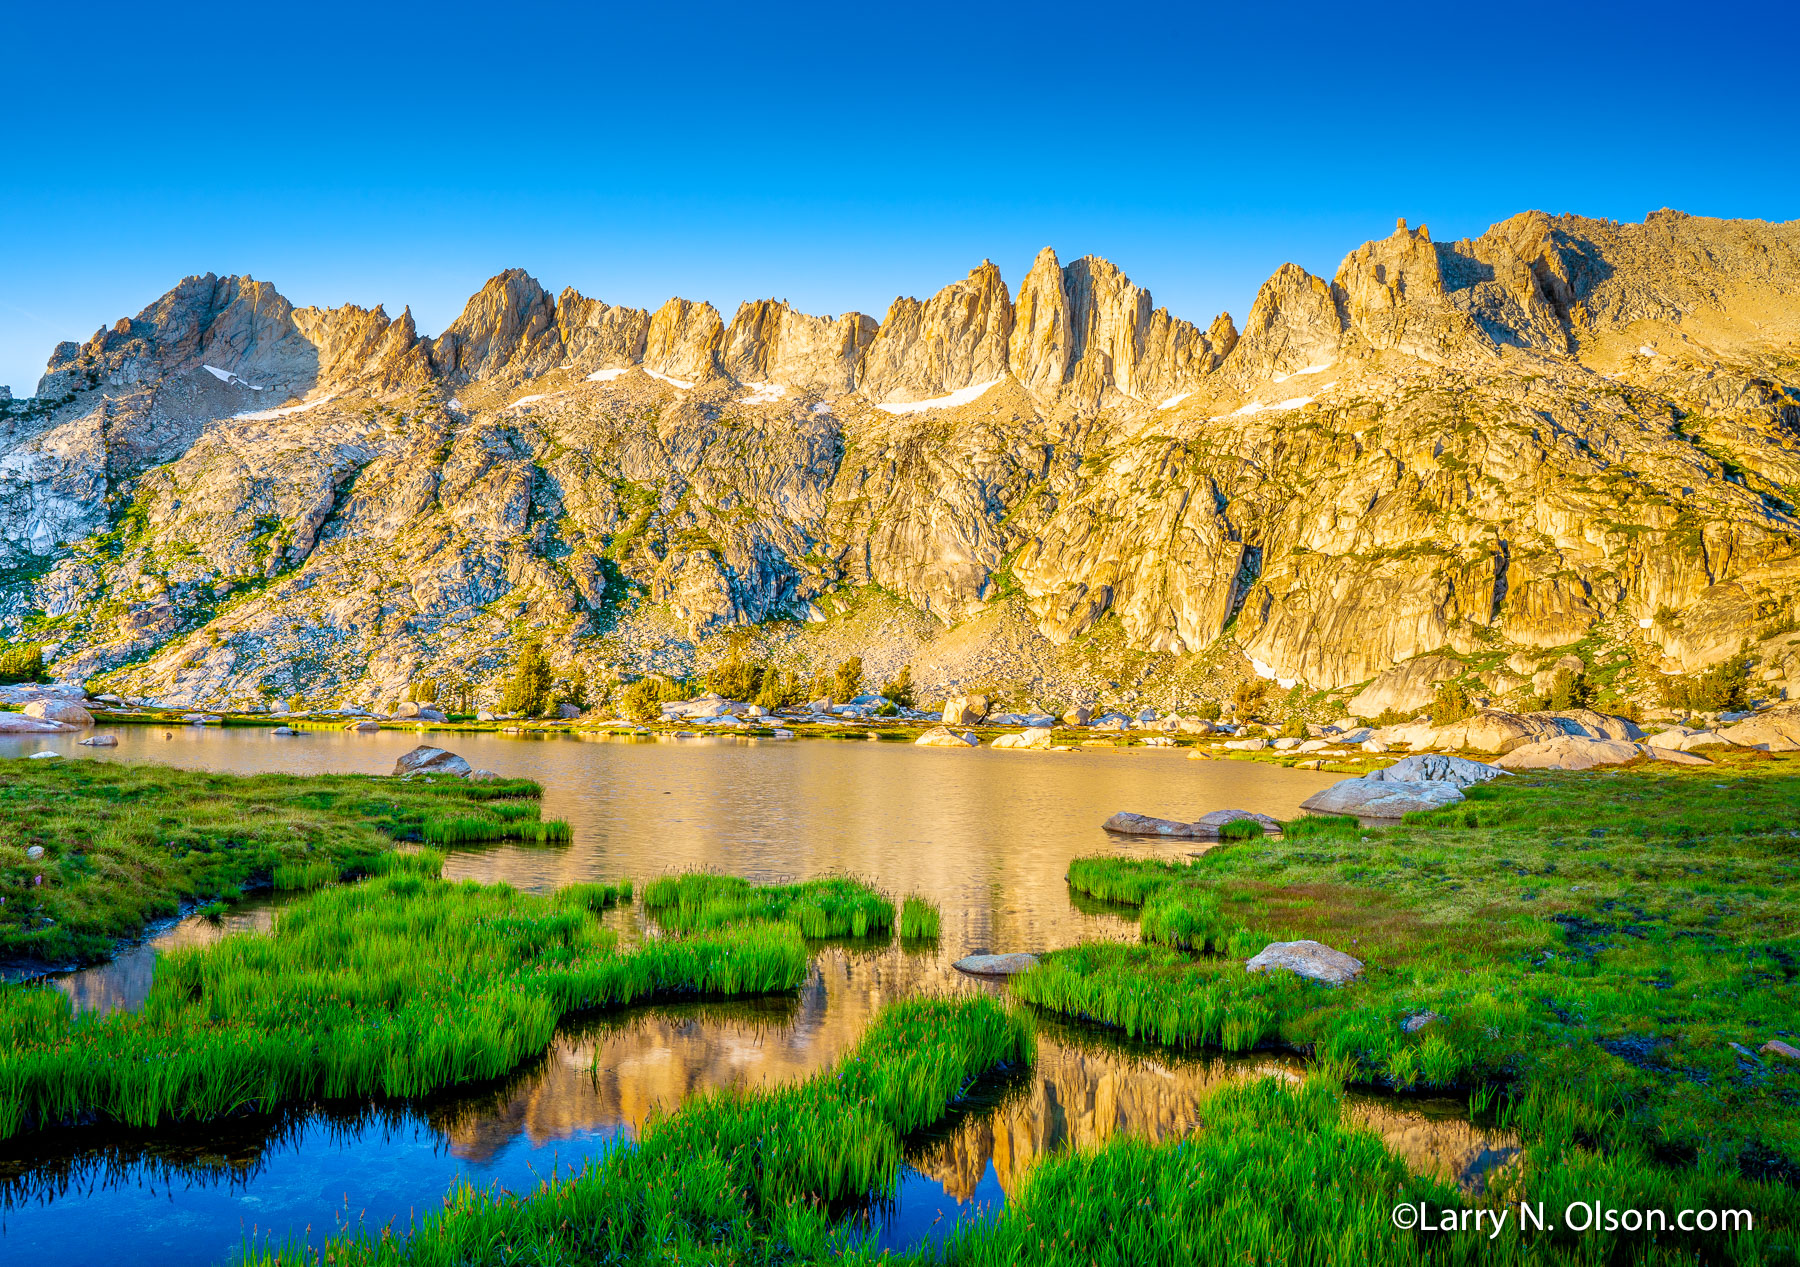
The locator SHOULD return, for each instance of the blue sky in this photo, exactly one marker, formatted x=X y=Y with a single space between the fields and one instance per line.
x=838 y=155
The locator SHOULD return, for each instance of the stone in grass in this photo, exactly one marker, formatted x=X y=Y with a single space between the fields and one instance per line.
x=1432 y=767
x=482 y=776
x=1418 y=1021
x=944 y=737
x=1381 y=798
x=1776 y=1047
x=35 y=852
x=1310 y=959
x=428 y=760
x=996 y=965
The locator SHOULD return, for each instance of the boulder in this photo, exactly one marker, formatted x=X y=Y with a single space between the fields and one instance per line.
x=1196 y=726
x=44 y=756
x=284 y=730
x=564 y=710
x=406 y=710
x=427 y=713
x=482 y=776
x=1310 y=959
x=66 y=711
x=367 y=723
x=1374 y=745
x=1113 y=721
x=1405 y=686
x=1209 y=826
x=482 y=714
x=1418 y=1021
x=1683 y=739
x=1080 y=715
x=1313 y=745
x=34 y=853
x=19 y=724
x=1586 y=723
x=944 y=737
x=1381 y=798
x=1775 y=1047
x=1570 y=752
x=996 y=965
x=428 y=760
x=1674 y=756
x=1247 y=745
x=100 y=741
x=1490 y=730
x=966 y=710
x=1036 y=737
x=1039 y=721
x=1285 y=745
x=1432 y=768
x=1129 y=824
x=1771 y=732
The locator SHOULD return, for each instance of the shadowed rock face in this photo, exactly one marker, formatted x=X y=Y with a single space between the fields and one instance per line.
x=1564 y=426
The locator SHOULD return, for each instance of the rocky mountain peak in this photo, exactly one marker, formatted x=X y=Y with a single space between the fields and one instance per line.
x=510 y=323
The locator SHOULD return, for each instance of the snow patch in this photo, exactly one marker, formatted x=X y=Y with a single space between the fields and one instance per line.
x=1310 y=369
x=455 y=404
x=961 y=396
x=682 y=383
x=262 y=415
x=1175 y=400
x=229 y=376
x=1644 y=622
x=823 y=407
x=1263 y=670
x=764 y=393
x=526 y=400
x=605 y=376
x=1280 y=406
x=1646 y=350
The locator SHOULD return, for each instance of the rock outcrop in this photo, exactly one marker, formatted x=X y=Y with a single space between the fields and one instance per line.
x=1565 y=430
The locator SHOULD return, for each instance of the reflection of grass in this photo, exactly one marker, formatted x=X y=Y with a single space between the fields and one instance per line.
x=394 y=987
x=735 y=1177
x=127 y=844
x=832 y=907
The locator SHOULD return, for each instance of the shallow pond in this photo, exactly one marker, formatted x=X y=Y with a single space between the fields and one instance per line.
x=987 y=835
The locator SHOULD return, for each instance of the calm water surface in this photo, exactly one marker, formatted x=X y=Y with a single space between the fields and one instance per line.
x=987 y=835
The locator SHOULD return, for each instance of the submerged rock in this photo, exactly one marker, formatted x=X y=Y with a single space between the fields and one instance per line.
x=100 y=741
x=1210 y=826
x=428 y=760
x=19 y=724
x=284 y=730
x=1369 y=797
x=1310 y=959
x=996 y=965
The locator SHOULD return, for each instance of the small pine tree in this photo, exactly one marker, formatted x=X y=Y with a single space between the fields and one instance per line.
x=529 y=690
x=1248 y=701
x=21 y=662
x=900 y=690
x=424 y=691
x=1451 y=704
x=846 y=682
x=1207 y=710
x=578 y=686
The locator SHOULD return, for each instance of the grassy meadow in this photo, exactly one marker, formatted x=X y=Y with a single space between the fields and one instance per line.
x=128 y=844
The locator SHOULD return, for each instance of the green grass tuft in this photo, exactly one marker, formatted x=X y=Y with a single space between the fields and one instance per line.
x=919 y=919
x=832 y=907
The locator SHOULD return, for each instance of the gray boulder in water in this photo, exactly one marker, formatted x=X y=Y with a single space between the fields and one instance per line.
x=428 y=760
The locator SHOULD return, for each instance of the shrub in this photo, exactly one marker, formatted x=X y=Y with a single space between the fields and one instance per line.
x=1249 y=700
x=780 y=690
x=21 y=662
x=1294 y=727
x=1452 y=704
x=900 y=690
x=1207 y=710
x=528 y=691
x=1721 y=689
x=1567 y=690
x=423 y=691
x=737 y=678
x=846 y=680
x=642 y=701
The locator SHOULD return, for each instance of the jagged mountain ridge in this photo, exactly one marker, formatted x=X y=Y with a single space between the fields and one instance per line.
x=1561 y=426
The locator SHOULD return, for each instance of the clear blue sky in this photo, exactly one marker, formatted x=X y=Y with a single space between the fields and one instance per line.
x=840 y=155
